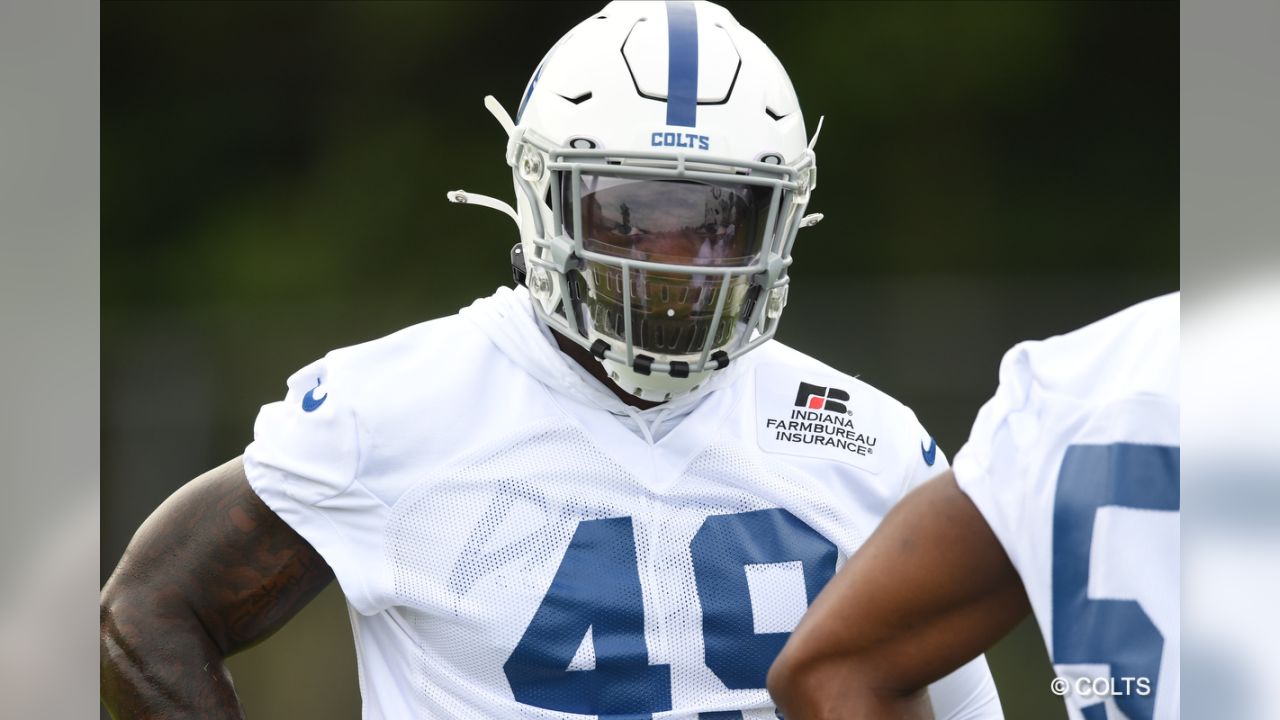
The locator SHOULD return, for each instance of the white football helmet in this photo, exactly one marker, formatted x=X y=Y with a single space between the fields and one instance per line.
x=661 y=172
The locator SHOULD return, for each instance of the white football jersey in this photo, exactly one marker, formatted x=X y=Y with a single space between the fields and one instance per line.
x=516 y=542
x=1074 y=464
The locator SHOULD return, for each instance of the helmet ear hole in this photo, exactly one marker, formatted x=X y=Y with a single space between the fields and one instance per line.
x=583 y=143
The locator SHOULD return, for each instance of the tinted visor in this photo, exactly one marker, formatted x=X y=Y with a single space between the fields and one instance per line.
x=685 y=224
x=681 y=222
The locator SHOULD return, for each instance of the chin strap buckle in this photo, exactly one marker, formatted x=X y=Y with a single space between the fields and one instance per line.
x=518 y=271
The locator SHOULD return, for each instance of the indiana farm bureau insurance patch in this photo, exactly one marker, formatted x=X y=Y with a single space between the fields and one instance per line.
x=816 y=416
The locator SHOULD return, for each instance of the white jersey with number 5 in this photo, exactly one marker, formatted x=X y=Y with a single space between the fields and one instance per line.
x=515 y=542
x=1074 y=464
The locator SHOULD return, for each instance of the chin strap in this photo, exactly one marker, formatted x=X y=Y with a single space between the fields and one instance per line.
x=817 y=131
x=810 y=220
x=462 y=197
x=499 y=113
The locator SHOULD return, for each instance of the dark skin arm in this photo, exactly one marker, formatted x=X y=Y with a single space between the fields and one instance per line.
x=212 y=572
x=929 y=591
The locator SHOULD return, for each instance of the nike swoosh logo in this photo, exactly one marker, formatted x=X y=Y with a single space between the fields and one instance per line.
x=931 y=453
x=310 y=403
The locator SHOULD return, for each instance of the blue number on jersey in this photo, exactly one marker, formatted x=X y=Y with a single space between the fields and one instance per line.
x=723 y=547
x=597 y=586
x=1116 y=632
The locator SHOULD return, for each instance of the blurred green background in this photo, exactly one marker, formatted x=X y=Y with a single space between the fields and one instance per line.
x=273 y=180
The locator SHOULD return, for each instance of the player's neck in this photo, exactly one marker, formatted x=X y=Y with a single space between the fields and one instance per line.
x=584 y=358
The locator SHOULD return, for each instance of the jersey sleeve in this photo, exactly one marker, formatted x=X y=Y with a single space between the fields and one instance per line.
x=967 y=694
x=304 y=462
x=925 y=458
x=1008 y=421
x=1054 y=392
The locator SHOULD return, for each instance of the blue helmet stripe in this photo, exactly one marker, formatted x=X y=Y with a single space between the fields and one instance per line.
x=682 y=64
x=533 y=82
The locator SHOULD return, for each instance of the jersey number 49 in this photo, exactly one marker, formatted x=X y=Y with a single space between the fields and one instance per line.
x=597 y=588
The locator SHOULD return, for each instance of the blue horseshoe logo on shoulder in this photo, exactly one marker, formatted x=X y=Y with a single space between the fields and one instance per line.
x=309 y=401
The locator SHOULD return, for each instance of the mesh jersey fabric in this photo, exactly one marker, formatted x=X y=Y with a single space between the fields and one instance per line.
x=1074 y=465
x=514 y=544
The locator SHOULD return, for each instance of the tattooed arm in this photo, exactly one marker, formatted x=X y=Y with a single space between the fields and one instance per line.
x=212 y=572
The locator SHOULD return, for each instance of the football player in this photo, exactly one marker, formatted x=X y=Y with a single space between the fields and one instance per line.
x=1064 y=501
x=606 y=492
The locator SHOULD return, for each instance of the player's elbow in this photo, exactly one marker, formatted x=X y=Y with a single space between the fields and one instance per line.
x=785 y=677
x=123 y=623
x=112 y=603
x=136 y=617
x=799 y=682
x=810 y=683
x=119 y=639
